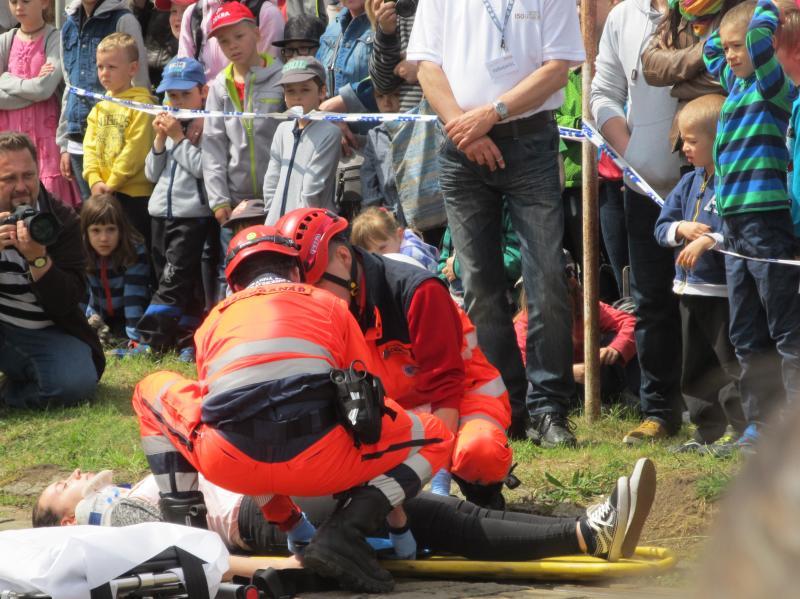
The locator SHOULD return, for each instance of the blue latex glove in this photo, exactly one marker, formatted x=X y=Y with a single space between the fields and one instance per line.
x=300 y=536
x=440 y=484
x=405 y=545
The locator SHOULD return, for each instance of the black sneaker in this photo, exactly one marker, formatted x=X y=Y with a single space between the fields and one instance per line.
x=609 y=521
x=552 y=429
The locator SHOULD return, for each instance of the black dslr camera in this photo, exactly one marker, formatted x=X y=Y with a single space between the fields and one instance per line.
x=43 y=226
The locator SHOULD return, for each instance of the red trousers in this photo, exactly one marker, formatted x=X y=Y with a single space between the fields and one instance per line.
x=411 y=448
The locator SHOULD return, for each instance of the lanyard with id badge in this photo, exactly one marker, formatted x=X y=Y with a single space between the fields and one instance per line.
x=504 y=65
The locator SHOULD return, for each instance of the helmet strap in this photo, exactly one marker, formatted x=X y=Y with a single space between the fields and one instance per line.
x=351 y=284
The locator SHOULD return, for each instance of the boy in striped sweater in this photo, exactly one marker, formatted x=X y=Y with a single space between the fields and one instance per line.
x=751 y=161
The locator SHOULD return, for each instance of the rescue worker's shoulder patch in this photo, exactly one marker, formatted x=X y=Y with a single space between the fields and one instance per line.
x=271 y=289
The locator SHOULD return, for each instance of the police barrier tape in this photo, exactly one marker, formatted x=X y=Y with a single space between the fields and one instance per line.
x=587 y=132
x=183 y=113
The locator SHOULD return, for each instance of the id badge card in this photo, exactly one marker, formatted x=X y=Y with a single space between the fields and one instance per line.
x=502 y=67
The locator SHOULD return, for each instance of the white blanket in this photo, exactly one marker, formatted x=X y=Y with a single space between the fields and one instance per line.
x=67 y=562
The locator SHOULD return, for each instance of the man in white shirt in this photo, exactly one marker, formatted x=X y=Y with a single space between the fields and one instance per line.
x=494 y=70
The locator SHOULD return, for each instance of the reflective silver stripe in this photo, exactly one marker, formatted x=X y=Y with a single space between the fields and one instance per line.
x=472 y=342
x=472 y=339
x=417 y=428
x=262 y=500
x=484 y=417
x=390 y=488
x=157 y=407
x=420 y=466
x=269 y=346
x=184 y=481
x=494 y=388
x=155 y=444
x=270 y=371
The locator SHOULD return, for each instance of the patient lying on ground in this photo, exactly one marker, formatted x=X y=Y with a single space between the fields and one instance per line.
x=439 y=524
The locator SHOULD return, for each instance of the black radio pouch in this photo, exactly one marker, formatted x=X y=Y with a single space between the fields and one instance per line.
x=360 y=403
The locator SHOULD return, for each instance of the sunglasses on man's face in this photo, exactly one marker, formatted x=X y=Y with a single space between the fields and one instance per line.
x=299 y=51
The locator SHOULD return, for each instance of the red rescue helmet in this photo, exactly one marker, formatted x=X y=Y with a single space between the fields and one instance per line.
x=312 y=230
x=255 y=240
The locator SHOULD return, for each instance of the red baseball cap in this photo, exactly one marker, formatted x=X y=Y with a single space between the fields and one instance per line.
x=229 y=14
x=166 y=5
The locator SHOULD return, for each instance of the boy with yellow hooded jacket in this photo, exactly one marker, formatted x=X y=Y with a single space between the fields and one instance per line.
x=118 y=138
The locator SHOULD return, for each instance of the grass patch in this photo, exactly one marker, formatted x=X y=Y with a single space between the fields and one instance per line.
x=100 y=434
x=104 y=434
x=712 y=486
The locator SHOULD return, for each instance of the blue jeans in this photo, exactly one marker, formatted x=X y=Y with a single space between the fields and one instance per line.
x=658 y=322
x=474 y=199
x=76 y=162
x=765 y=307
x=612 y=227
x=45 y=367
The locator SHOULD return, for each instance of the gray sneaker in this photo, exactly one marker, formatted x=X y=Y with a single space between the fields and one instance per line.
x=609 y=521
x=642 y=488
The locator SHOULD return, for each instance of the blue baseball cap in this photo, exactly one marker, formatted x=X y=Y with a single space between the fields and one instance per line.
x=182 y=73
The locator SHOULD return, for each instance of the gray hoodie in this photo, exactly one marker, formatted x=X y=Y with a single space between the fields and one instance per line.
x=302 y=168
x=236 y=150
x=178 y=175
x=125 y=24
x=619 y=85
x=20 y=93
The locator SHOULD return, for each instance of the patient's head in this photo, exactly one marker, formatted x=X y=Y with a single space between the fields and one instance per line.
x=56 y=505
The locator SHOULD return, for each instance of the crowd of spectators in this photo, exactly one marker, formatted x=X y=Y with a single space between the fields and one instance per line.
x=488 y=197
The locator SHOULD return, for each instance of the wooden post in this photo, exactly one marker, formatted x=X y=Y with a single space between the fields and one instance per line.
x=591 y=245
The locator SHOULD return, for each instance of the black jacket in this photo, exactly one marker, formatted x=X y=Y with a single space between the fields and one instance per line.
x=62 y=288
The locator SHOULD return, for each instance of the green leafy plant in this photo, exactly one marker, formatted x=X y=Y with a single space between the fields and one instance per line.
x=712 y=486
x=582 y=485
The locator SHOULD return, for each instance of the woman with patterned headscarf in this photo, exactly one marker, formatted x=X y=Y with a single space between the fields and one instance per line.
x=674 y=55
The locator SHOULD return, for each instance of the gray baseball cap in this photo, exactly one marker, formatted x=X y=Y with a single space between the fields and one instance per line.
x=300 y=69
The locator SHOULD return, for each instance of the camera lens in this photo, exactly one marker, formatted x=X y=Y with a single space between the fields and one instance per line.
x=406 y=8
x=43 y=228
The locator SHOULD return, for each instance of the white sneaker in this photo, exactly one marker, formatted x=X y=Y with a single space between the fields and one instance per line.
x=642 y=487
x=609 y=521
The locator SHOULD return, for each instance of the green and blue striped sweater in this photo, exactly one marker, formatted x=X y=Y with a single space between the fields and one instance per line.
x=750 y=153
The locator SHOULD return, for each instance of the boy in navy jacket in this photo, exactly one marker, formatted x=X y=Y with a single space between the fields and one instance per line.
x=690 y=223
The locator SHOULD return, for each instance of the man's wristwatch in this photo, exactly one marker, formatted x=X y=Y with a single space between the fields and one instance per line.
x=501 y=109
x=39 y=262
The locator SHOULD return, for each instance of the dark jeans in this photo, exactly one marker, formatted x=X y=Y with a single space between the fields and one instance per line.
x=710 y=372
x=657 y=317
x=441 y=524
x=135 y=209
x=45 y=367
x=765 y=306
x=177 y=305
x=612 y=227
x=76 y=162
x=210 y=265
x=474 y=199
x=573 y=222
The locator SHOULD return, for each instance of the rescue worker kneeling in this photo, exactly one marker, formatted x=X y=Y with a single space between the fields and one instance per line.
x=424 y=348
x=262 y=418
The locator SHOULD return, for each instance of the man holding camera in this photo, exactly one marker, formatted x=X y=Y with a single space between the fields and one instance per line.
x=49 y=354
x=495 y=91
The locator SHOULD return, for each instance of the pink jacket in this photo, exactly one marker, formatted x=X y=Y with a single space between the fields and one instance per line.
x=270 y=24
